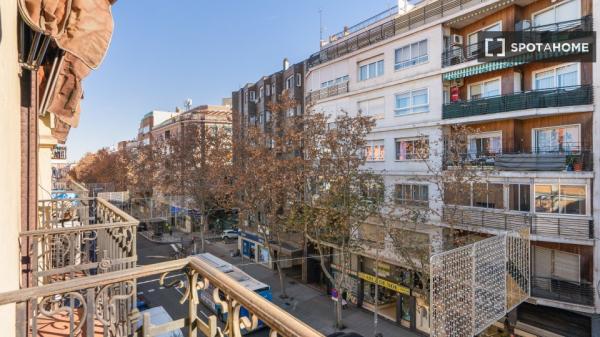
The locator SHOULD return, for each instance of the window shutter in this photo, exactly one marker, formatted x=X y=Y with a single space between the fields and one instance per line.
x=566 y=266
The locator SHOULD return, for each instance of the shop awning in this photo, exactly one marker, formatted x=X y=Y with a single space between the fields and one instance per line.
x=82 y=29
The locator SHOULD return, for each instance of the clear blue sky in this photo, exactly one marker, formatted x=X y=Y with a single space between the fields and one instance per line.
x=163 y=52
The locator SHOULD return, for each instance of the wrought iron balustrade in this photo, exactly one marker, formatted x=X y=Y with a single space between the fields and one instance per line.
x=575 y=227
x=535 y=99
x=562 y=290
x=105 y=304
x=78 y=237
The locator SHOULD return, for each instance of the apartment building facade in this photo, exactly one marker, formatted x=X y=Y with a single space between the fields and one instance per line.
x=415 y=70
x=252 y=107
x=148 y=122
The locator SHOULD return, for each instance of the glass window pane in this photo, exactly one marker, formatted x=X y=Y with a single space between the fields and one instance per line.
x=495 y=196
x=475 y=91
x=546 y=198
x=525 y=198
x=363 y=72
x=572 y=199
x=544 y=18
x=372 y=70
x=567 y=76
x=568 y=11
x=379 y=68
x=544 y=80
x=492 y=88
x=423 y=48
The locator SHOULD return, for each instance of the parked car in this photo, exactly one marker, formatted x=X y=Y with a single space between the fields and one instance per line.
x=229 y=234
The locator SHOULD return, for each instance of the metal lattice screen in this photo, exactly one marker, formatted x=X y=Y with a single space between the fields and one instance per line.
x=475 y=285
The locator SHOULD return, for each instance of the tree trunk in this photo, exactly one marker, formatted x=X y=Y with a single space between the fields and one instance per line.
x=281 y=281
x=203 y=221
x=339 y=322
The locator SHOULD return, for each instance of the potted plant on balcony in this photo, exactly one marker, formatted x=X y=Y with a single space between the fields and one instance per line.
x=570 y=162
x=574 y=164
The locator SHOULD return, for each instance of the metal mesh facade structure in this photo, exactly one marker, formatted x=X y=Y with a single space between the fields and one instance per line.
x=475 y=285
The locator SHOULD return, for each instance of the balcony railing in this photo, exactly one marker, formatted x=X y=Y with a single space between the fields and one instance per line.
x=78 y=237
x=563 y=291
x=535 y=99
x=105 y=303
x=463 y=53
x=59 y=152
x=334 y=90
x=402 y=23
x=575 y=227
x=574 y=158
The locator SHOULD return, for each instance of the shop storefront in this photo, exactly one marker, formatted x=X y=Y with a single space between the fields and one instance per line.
x=383 y=287
x=251 y=246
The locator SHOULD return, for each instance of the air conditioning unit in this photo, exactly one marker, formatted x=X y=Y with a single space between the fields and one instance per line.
x=456 y=39
x=522 y=25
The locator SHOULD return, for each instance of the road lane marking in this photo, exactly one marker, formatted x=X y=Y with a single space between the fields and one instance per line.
x=151 y=290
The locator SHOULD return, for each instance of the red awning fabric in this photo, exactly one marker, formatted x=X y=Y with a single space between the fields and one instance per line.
x=83 y=29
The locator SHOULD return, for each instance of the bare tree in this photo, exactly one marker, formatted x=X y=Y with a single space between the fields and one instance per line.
x=336 y=208
x=269 y=178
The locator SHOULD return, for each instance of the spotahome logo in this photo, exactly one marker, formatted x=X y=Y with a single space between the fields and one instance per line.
x=532 y=46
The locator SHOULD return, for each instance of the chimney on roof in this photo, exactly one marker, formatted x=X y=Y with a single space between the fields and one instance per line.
x=286 y=64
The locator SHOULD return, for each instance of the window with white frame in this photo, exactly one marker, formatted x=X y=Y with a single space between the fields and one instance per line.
x=485 y=144
x=412 y=148
x=410 y=55
x=289 y=82
x=472 y=39
x=252 y=96
x=298 y=80
x=411 y=194
x=557 y=77
x=261 y=92
x=484 y=89
x=375 y=150
x=268 y=90
x=561 y=12
x=560 y=198
x=370 y=70
x=519 y=197
x=372 y=107
x=488 y=195
x=564 y=138
x=414 y=101
x=273 y=89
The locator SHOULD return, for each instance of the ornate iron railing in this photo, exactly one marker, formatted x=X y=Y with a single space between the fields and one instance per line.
x=79 y=237
x=535 y=99
x=574 y=227
x=563 y=291
x=334 y=90
x=59 y=152
x=88 y=305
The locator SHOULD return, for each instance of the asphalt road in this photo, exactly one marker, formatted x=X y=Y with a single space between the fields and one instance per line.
x=155 y=295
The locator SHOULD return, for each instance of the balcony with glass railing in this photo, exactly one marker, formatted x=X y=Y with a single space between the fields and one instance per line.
x=533 y=99
x=457 y=54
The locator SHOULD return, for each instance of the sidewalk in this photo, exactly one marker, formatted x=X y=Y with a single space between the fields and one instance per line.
x=308 y=304
x=177 y=237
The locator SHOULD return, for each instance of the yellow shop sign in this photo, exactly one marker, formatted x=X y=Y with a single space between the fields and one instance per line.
x=385 y=283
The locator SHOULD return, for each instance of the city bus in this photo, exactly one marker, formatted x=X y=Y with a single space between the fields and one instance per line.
x=206 y=296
